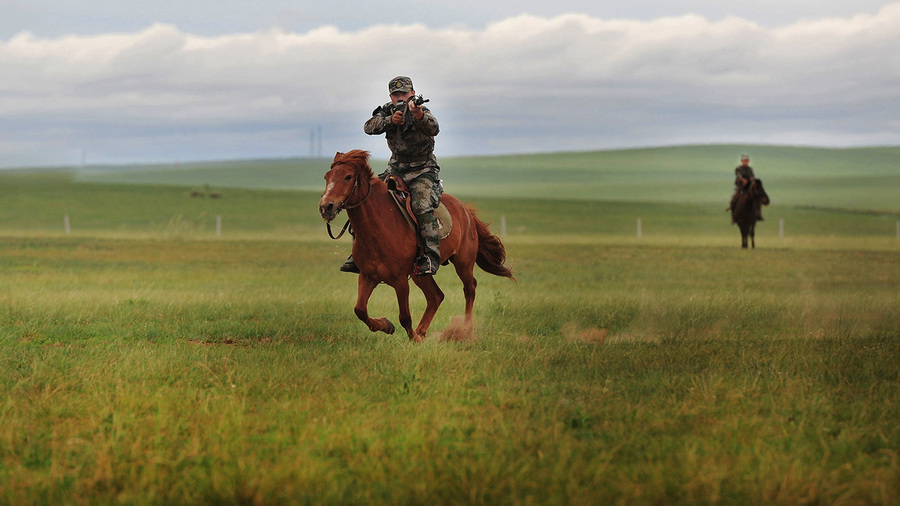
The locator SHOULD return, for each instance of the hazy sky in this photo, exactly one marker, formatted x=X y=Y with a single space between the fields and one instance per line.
x=167 y=81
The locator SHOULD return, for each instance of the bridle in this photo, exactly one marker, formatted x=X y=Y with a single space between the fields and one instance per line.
x=356 y=189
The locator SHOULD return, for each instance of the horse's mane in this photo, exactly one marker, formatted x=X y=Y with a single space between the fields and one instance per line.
x=357 y=159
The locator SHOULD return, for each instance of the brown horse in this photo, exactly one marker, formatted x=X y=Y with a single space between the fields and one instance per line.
x=385 y=245
x=744 y=211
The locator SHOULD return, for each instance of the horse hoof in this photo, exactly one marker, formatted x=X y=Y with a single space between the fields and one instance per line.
x=389 y=327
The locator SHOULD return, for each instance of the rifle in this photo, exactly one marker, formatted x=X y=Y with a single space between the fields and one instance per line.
x=403 y=107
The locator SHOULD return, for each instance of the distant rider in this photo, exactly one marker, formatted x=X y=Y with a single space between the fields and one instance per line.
x=743 y=174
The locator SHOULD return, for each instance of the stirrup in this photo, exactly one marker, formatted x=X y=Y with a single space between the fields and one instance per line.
x=425 y=267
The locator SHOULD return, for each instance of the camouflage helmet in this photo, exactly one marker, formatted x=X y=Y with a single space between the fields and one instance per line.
x=400 y=83
x=745 y=156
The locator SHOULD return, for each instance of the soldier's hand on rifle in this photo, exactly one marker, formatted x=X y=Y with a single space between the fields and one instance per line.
x=410 y=104
x=397 y=118
x=416 y=109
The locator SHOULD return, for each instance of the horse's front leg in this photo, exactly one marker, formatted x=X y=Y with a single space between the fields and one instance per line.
x=366 y=286
x=401 y=288
x=433 y=298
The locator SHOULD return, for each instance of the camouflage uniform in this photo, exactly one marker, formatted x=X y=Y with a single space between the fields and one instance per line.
x=412 y=158
x=742 y=171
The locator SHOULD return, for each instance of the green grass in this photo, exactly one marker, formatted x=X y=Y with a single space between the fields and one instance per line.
x=234 y=371
x=37 y=203
x=144 y=359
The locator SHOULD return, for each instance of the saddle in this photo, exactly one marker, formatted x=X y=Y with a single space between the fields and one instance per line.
x=400 y=193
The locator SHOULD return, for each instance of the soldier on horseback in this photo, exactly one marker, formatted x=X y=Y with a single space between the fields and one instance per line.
x=409 y=128
x=743 y=176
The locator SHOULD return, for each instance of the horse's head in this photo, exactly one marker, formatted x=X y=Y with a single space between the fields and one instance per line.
x=349 y=171
x=761 y=193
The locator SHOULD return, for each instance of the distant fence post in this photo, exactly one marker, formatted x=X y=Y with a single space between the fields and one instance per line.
x=218 y=225
x=503 y=225
x=66 y=225
x=898 y=230
x=781 y=228
x=639 y=231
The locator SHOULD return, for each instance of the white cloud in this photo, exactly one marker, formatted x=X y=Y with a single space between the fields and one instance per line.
x=526 y=83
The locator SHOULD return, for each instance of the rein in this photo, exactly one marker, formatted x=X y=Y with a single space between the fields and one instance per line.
x=355 y=189
x=343 y=229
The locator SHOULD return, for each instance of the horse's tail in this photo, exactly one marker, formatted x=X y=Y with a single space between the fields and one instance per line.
x=491 y=252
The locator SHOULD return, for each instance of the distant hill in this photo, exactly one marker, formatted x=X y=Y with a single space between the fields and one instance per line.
x=846 y=178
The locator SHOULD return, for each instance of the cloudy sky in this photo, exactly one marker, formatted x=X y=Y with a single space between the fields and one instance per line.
x=114 y=82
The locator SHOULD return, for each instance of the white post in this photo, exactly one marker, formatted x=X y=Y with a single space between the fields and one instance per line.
x=218 y=225
x=66 y=224
x=781 y=228
x=503 y=225
x=639 y=227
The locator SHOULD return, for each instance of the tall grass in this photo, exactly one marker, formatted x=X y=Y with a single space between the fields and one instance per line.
x=234 y=371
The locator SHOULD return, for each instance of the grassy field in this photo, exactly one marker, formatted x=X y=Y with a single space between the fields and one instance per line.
x=146 y=359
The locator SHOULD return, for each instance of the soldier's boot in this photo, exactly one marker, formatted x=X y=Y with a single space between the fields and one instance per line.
x=734 y=199
x=349 y=265
x=429 y=258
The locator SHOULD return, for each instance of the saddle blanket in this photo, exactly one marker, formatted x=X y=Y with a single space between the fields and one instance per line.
x=442 y=214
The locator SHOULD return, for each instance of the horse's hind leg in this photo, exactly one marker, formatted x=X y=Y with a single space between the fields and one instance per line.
x=466 y=274
x=366 y=286
x=464 y=263
x=433 y=298
x=753 y=235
